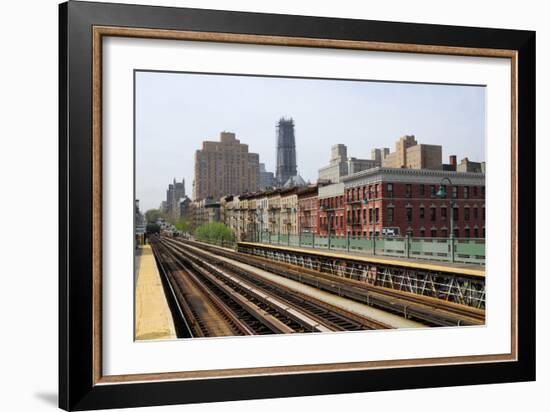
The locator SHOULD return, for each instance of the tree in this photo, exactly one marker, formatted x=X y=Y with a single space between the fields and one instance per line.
x=183 y=224
x=214 y=232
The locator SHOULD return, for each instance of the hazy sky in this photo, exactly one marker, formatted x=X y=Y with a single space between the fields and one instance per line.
x=175 y=112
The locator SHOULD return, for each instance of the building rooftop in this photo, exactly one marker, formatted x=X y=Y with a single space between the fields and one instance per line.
x=428 y=176
x=295 y=181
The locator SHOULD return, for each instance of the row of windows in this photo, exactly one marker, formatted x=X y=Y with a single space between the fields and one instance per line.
x=372 y=191
x=360 y=215
x=353 y=217
x=467 y=213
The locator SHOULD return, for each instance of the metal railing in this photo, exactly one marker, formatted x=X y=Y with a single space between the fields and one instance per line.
x=459 y=250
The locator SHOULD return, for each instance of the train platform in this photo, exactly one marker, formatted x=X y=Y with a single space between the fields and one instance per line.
x=432 y=265
x=153 y=319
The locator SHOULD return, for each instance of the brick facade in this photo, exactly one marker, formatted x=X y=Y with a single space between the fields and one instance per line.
x=406 y=199
x=381 y=201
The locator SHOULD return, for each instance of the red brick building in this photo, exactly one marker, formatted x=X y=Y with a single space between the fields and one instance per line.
x=332 y=210
x=308 y=210
x=404 y=201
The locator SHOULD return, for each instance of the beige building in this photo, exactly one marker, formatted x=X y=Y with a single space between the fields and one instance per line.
x=274 y=212
x=224 y=167
x=424 y=156
x=205 y=211
x=411 y=155
x=262 y=214
x=379 y=154
x=289 y=212
x=340 y=165
x=231 y=214
x=467 y=165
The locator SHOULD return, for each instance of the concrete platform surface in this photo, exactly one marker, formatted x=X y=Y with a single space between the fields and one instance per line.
x=153 y=319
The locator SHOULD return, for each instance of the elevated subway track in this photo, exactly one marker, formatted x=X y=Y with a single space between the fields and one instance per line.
x=460 y=284
x=246 y=301
x=423 y=308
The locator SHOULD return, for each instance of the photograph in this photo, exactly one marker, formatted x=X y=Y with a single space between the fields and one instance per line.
x=259 y=205
x=286 y=205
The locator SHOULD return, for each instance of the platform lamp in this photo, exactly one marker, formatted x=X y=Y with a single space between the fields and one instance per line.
x=260 y=212
x=442 y=194
x=363 y=202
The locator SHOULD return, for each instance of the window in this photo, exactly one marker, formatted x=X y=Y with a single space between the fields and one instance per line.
x=456 y=232
x=455 y=214
x=466 y=192
x=421 y=190
x=433 y=233
x=370 y=192
x=370 y=215
x=483 y=191
x=408 y=190
x=444 y=232
x=467 y=232
x=475 y=212
x=443 y=213
x=390 y=214
x=390 y=189
x=364 y=216
x=432 y=214
x=409 y=214
x=455 y=192
x=475 y=191
x=377 y=215
x=421 y=213
x=466 y=213
x=432 y=190
x=483 y=214
x=376 y=191
x=476 y=232
x=364 y=192
x=422 y=233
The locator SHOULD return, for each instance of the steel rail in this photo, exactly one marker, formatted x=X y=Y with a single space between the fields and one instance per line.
x=203 y=327
x=263 y=306
x=183 y=329
x=333 y=317
x=424 y=308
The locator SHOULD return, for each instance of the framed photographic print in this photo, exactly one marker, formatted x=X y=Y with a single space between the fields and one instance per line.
x=256 y=205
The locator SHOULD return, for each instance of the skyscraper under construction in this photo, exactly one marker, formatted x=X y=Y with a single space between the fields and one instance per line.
x=286 y=151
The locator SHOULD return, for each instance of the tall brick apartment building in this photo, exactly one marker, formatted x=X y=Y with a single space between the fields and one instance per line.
x=225 y=167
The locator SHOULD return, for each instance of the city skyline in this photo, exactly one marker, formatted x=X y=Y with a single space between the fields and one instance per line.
x=175 y=112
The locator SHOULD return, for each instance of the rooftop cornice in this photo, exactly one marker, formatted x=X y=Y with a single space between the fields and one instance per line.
x=410 y=172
